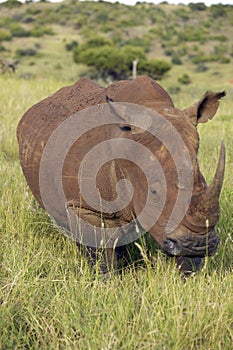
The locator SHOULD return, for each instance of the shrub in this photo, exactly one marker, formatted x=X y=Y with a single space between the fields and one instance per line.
x=184 y=79
x=4 y=35
x=154 y=68
x=116 y=63
x=33 y=10
x=38 y=46
x=108 y=60
x=225 y=59
x=218 y=11
x=143 y=42
x=191 y=33
x=28 y=19
x=26 y=52
x=80 y=21
x=11 y=4
x=176 y=59
x=199 y=58
x=201 y=68
x=199 y=6
x=131 y=53
x=182 y=13
x=169 y=52
x=38 y=31
x=107 y=27
x=2 y=48
x=97 y=42
x=218 y=37
x=18 y=31
x=71 y=46
x=182 y=50
x=220 y=49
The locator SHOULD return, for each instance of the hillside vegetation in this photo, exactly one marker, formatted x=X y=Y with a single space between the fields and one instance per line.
x=69 y=39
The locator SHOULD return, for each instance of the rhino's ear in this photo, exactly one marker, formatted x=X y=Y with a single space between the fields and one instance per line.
x=204 y=109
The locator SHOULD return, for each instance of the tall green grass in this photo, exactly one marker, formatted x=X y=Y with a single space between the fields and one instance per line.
x=49 y=299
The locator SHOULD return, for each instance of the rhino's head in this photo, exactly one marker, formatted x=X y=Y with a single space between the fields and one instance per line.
x=194 y=235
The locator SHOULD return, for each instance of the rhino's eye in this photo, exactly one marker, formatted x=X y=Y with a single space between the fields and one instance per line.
x=155 y=195
x=125 y=128
x=153 y=191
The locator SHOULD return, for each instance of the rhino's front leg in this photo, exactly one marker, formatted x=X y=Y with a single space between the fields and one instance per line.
x=189 y=265
x=103 y=256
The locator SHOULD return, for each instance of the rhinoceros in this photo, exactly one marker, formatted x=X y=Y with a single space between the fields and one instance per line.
x=145 y=125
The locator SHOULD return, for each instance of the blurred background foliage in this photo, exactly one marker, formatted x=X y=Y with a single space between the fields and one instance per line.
x=70 y=39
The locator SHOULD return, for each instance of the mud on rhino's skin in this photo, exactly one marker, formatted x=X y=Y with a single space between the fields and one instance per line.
x=191 y=237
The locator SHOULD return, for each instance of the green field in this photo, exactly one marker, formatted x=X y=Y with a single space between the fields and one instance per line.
x=49 y=299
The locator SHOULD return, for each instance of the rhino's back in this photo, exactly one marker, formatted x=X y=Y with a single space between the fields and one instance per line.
x=40 y=121
x=143 y=91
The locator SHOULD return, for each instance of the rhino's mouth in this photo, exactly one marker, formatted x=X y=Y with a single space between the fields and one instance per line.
x=192 y=245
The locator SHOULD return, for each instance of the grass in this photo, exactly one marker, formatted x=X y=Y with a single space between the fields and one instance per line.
x=50 y=300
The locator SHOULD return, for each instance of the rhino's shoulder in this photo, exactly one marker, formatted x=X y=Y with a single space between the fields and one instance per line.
x=143 y=90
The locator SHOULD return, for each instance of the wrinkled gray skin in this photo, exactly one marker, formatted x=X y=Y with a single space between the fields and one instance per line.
x=195 y=236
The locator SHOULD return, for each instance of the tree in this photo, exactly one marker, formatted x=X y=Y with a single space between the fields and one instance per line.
x=154 y=68
x=110 y=61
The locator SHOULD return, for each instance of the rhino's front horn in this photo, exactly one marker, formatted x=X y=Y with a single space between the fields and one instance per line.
x=212 y=193
x=205 y=206
x=208 y=203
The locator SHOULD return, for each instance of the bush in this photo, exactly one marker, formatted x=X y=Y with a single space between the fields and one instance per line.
x=154 y=68
x=218 y=37
x=72 y=45
x=176 y=59
x=114 y=62
x=11 y=4
x=225 y=59
x=218 y=11
x=18 y=31
x=96 y=42
x=169 y=52
x=182 y=50
x=199 y=58
x=2 y=48
x=28 y=19
x=107 y=27
x=190 y=33
x=201 y=68
x=143 y=42
x=220 y=49
x=184 y=79
x=108 y=60
x=4 y=35
x=182 y=13
x=38 y=31
x=199 y=6
x=26 y=52
x=80 y=21
x=131 y=53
